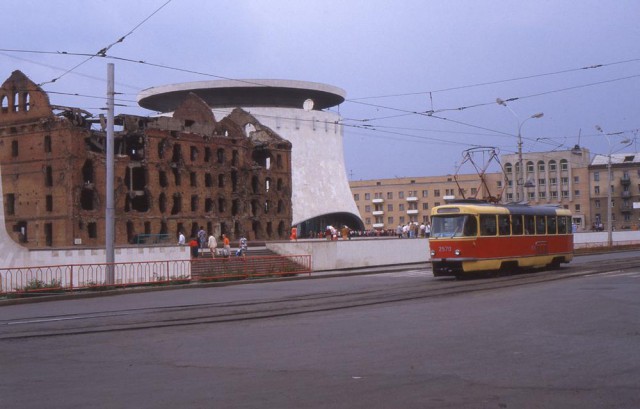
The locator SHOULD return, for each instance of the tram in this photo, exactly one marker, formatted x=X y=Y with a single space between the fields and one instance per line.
x=470 y=236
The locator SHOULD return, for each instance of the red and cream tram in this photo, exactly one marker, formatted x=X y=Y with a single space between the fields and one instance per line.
x=470 y=236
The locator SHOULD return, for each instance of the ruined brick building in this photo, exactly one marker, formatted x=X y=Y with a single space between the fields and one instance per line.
x=172 y=173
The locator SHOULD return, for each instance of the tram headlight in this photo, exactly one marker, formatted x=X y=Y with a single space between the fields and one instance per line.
x=433 y=253
x=456 y=252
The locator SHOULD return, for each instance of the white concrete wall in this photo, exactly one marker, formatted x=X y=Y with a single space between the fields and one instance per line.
x=340 y=254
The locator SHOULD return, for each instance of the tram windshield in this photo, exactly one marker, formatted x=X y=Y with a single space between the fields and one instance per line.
x=454 y=226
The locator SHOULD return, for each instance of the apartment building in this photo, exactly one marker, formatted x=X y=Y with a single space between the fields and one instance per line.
x=386 y=203
x=551 y=178
x=625 y=191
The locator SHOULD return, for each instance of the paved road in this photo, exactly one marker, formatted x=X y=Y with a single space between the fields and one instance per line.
x=570 y=343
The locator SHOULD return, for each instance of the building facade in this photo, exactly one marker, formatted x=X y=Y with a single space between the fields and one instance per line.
x=551 y=178
x=172 y=174
x=386 y=203
x=625 y=191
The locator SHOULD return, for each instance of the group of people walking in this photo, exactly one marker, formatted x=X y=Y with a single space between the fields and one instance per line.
x=202 y=241
x=413 y=230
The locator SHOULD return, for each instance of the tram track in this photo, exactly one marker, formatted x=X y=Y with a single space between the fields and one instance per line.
x=137 y=319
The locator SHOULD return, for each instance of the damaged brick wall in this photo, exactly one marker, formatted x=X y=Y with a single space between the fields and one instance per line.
x=172 y=174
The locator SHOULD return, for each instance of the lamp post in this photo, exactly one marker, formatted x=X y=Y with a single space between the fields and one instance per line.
x=609 y=181
x=520 y=181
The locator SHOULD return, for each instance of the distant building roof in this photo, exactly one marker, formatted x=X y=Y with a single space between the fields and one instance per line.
x=616 y=158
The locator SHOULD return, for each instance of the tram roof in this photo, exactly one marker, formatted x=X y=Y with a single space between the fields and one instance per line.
x=478 y=206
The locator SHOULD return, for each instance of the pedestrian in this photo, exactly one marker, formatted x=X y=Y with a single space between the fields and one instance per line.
x=226 y=245
x=242 y=246
x=212 y=243
x=294 y=234
x=193 y=244
x=181 y=239
x=345 y=232
x=427 y=229
x=399 y=231
x=202 y=237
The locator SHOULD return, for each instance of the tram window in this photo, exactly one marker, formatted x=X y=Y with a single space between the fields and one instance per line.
x=541 y=225
x=551 y=224
x=488 y=225
x=562 y=225
x=529 y=224
x=516 y=224
x=504 y=225
x=470 y=226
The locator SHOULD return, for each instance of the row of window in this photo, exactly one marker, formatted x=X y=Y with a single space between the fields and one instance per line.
x=18 y=102
x=410 y=193
x=500 y=224
x=564 y=165
x=391 y=220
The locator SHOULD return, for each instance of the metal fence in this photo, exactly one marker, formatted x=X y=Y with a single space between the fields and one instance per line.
x=72 y=277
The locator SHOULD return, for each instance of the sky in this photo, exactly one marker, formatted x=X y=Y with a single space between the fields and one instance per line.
x=421 y=76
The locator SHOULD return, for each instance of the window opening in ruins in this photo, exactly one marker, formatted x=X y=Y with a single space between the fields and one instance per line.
x=222 y=205
x=255 y=182
x=130 y=231
x=254 y=208
x=162 y=176
x=194 y=203
x=220 y=155
x=15 y=102
x=208 y=180
x=279 y=184
x=280 y=229
x=180 y=228
x=48 y=176
x=267 y=205
x=4 y=103
x=14 y=149
x=177 y=153
x=26 y=101
x=234 y=181
x=280 y=206
x=87 y=172
x=236 y=229
x=221 y=180
x=49 y=203
x=208 y=205
x=235 y=206
x=21 y=229
x=177 y=204
x=137 y=202
x=189 y=122
x=267 y=184
x=194 y=179
x=194 y=229
x=135 y=177
x=223 y=228
x=235 y=158
x=257 y=230
x=194 y=154
x=176 y=176
x=207 y=154
x=47 y=143
x=210 y=229
x=162 y=203
x=279 y=161
x=92 y=230
x=48 y=234
x=147 y=227
x=269 y=230
x=262 y=157
x=10 y=203
x=164 y=228
x=161 y=150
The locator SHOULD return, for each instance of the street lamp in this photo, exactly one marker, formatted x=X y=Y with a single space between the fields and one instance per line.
x=520 y=181
x=609 y=177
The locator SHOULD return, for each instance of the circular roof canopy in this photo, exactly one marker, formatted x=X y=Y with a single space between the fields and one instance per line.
x=244 y=93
